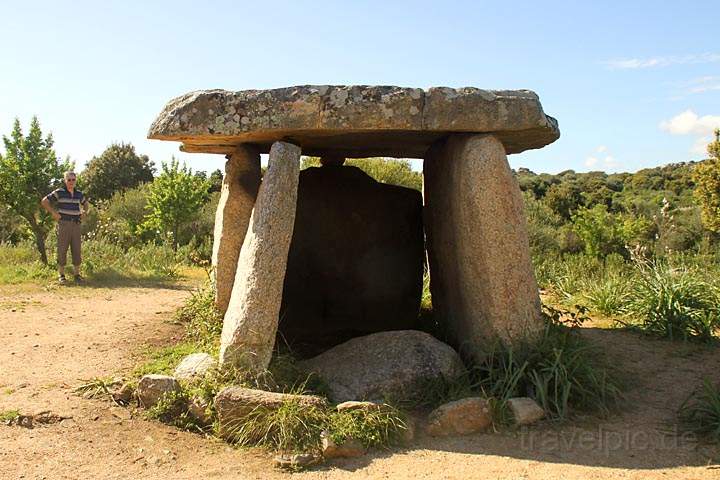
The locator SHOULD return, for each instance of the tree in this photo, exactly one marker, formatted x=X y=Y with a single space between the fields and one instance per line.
x=176 y=195
x=216 y=179
x=600 y=230
x=707 y=189
x=118 y=168
x=29 y=170
x=564 y=198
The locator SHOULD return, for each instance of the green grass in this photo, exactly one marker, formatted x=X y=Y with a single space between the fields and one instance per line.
x=674 y=303
x=202 y=320
x=294 y=427
x=700 y=413
x=9 y=415
x=373 y=427
x=97 y=387
x=562 y=371
x=103 y=262
x=291 y=428
x=163 y=360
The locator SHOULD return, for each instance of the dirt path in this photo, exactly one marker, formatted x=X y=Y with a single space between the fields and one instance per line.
x=52 y=338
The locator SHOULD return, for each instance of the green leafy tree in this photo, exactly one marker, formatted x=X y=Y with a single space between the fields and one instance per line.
x=29 y=170
x=176 y=195
x=117 y=169
x=600 y=230
x=707 y=186
x=216 y=179
x=564 y=198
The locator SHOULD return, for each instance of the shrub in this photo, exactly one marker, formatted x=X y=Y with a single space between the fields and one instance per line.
x=600 y=230
x=560 y=370
x=292 y=427
x=608 y=296
x=674 y=303
x=700 y=413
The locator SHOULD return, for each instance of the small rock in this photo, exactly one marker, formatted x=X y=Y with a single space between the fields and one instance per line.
x=460 y=417
x=198 y=409
x=297 y=461
x=350 y=448
x=123 y=395
x=355 y=405
x=152 y=388
x=194 y=365
x=525 y=410
x=407 y=435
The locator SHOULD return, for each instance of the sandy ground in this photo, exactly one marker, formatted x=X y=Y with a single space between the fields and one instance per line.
x=51 y=338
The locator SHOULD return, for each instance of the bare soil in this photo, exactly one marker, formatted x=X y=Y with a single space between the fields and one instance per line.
x=52 y=338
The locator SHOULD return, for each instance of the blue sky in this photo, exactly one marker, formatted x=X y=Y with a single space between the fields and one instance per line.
x=633 y=84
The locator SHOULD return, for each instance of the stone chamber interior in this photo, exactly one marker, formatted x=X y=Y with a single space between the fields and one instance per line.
x=355 y=264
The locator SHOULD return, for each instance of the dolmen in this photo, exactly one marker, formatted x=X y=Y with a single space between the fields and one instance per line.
x=314 y=258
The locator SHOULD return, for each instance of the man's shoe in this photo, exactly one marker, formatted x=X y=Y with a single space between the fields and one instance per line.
x=79 y=279
x=62 y=280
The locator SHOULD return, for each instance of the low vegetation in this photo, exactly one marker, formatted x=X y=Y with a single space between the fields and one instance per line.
x=700 y=413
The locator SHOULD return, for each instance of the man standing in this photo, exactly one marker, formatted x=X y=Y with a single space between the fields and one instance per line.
x=67 y=205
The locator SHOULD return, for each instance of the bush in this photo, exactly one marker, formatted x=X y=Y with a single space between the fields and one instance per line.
x=118 y=219
x=608 y=296
x=560 y=370
x=674 y=303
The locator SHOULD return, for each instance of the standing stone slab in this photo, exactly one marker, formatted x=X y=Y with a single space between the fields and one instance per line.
x=237 y=197
x=251 y=320
x=482 y=279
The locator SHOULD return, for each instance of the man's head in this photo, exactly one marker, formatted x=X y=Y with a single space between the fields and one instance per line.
x=70 y=179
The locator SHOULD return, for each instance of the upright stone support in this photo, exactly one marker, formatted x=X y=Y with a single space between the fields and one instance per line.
x=251 y=320
x=482 y=280
x=237 y=197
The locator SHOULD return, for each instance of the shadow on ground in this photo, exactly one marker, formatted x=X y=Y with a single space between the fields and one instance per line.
x=642 y=433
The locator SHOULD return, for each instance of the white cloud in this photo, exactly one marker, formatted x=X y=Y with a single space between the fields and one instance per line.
x=591 y=161
x=700 y=146
x=636 y=63
x=604 y=162
x=688 y=122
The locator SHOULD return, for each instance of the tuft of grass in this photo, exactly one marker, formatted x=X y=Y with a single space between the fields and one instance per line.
x=560 y=370
x=608 y=296
x=294 y=427
x=374 y=427
x=202 y=319
x=164 y=360
x=700 y=413
x=96 y=387
x=674 y=303
x=290 y=428
x=172 y=409
x=8 y=416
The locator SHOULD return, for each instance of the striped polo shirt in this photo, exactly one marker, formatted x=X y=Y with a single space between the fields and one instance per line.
x=68 y=204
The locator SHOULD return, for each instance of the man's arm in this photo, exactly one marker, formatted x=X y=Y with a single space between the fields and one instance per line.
x=46 y=205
